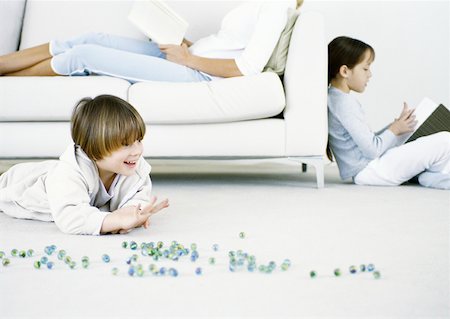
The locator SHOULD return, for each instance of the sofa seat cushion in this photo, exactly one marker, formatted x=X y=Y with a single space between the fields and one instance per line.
x=219 y=101
x=52 y=98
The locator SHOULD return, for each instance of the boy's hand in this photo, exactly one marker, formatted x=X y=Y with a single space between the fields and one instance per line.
x=151 y=209
x=405 y=123
x=126 y=218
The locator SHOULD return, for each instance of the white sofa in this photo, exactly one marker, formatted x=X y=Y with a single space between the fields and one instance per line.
x=237 y=118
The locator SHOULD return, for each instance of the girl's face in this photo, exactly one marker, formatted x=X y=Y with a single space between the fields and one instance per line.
x=359 y=75
x=122 y=161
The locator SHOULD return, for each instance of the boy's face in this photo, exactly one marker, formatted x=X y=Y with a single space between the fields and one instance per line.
x=123 y=161
x=359 y=75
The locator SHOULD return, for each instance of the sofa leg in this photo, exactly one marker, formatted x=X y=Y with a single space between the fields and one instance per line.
x=317 y=162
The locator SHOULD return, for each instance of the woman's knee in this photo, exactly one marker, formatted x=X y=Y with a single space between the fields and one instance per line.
x=76 y=60
x=83 y=50
x=94 y=37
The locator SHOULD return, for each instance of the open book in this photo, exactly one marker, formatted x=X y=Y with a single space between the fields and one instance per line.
x=158 y=21
x=431 y=118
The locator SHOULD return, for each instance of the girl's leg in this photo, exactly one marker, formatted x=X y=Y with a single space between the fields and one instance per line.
x=24 y=59
x=108 y=41
x=41 y=69
x=430 y=154
x=435 y=180
x=93 y=59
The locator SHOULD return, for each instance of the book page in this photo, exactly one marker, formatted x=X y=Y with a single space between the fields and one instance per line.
x=158 y=21
x=422 y=112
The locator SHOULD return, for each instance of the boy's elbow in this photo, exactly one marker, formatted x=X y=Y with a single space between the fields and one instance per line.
x=71 y=223
x=68 y=227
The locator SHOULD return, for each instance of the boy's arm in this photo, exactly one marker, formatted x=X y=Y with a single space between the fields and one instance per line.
x=126 y=218
x=69 y=201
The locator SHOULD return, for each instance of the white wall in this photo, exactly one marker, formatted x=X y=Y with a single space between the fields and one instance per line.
x=411 y=41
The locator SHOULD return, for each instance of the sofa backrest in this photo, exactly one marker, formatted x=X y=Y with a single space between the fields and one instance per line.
x=46 y=20
x=11 y=15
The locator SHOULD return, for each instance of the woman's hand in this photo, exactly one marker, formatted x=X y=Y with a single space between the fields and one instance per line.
x=124 y=219
x=405 y=123
x=176 y=53
x=217 y=67
x=187 y=42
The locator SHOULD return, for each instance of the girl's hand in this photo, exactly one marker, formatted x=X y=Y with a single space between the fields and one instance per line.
x=176 y=53
x=405 y=123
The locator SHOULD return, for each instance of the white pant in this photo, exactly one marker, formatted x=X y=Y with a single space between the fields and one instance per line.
x=428 y=156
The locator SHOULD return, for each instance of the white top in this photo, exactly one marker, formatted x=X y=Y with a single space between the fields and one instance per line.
x=67 y=191
x=103 y=196
x=248 y=34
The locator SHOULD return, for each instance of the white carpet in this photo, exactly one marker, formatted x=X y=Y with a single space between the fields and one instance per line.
x=403 y=230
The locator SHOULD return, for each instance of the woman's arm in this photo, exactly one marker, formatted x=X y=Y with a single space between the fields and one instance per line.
x=217 y=67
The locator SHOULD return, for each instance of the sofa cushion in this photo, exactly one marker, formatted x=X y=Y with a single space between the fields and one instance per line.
x=277 y=61
x=219 y=101
x=11 y=15
x=51 y=98
x=228 y=100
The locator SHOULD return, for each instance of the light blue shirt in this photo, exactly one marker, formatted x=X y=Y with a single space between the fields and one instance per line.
x=351 y=140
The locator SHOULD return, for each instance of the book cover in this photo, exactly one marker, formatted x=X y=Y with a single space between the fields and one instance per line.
x=158 y=21
x=431 y=118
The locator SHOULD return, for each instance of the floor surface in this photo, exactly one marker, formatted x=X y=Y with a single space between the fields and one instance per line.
x=403 y=231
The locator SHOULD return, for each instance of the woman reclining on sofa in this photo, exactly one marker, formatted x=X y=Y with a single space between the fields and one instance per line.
x=239 y=48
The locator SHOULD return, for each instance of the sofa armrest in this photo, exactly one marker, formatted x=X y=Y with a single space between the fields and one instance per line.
x=305 y=84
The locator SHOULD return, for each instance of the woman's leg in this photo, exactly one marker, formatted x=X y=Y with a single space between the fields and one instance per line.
x=429 y=154
x=43 y=68
x=23 y=59
x=93 y=59
x=107 y=41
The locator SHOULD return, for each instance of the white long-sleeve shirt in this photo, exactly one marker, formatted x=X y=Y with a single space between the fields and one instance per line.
x=248 y=34
x=69 y=192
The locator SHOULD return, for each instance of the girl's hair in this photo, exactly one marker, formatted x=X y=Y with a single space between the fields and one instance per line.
x=346 y=51
x=299 y=3
x=104 y=124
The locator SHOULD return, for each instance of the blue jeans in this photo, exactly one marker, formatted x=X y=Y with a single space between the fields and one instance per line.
x=125 y=58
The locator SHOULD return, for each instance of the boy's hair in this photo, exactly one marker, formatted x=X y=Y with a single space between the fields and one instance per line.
x=346 y=51
x=104 y=124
